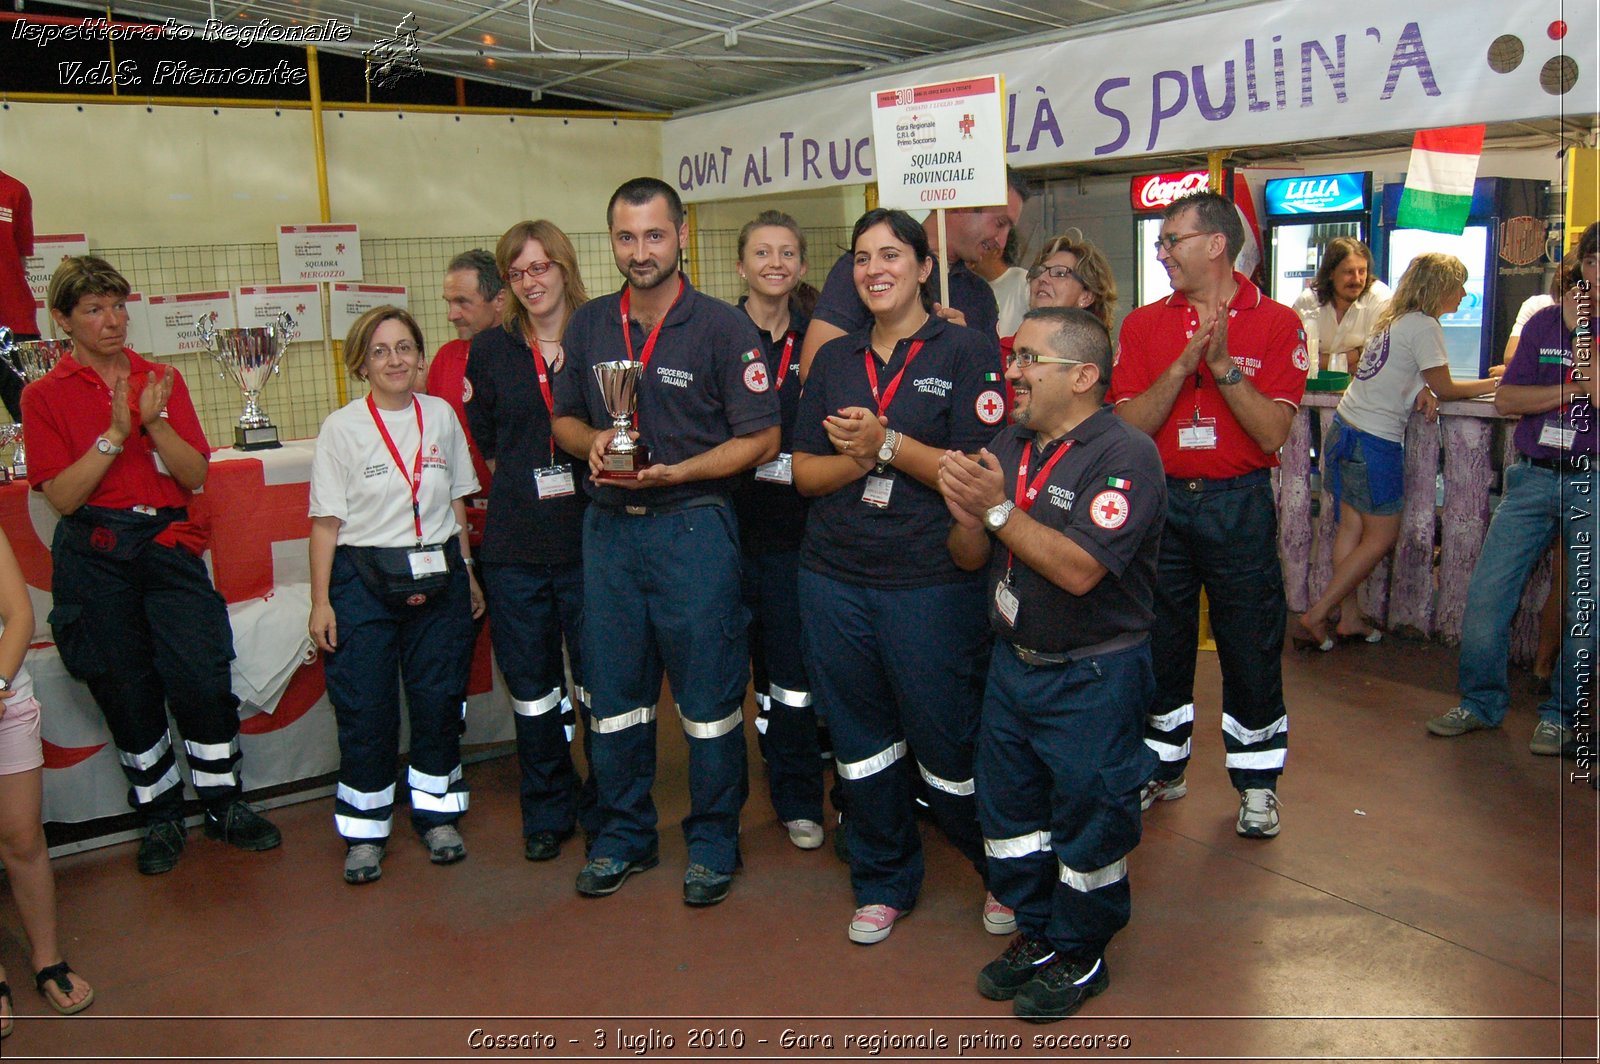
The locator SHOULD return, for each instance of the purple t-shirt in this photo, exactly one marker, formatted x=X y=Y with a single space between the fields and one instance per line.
x=1545 y=356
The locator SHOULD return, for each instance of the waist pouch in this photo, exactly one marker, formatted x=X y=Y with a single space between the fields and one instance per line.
x=386 y=571
x=119 y=534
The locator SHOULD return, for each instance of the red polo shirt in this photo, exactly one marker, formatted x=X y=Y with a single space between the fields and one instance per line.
x=447 y=379
x=16 y=243
x=1265 y=340
x=64 y=413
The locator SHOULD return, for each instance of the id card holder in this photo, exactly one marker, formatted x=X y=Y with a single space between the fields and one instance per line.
x=778 y=471
x=553 y=482
x=1198 y=435
x=1554 y=434
x=1005 y=603
x=877 y=491
x=161 y=467
x=426 y=562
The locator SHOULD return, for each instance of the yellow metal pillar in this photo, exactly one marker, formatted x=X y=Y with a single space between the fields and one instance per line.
x=332 y=349
x=691 y=222
x=1216 y=162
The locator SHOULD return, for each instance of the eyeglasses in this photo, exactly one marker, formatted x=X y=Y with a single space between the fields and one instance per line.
x=1056 y=273
x=1172 y=240
x=535 y=269
x=404 y=351
x=1028 y=358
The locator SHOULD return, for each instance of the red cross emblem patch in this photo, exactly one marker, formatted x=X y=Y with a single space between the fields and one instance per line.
x=1109 y=510
x=756 y=378
x=991 y=407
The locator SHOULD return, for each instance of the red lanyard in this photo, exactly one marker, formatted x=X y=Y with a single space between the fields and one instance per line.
x=542 y=371
x=415 y=480
x=788 y=353
x=650 y=342
x=1026 y=492
x=894 y=385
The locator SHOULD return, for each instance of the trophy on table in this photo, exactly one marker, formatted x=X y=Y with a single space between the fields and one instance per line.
x=30 y=360
x=619 y=387
x=249 y=356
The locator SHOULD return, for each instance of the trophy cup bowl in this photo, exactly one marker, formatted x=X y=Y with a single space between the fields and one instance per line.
x=30 y=360
x=250 y=356
x=624 y=456
x=11 y=435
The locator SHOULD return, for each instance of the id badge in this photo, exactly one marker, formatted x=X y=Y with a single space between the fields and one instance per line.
x=553 y=482
x=426 y=562
x=1198 y=435
x=161 y=467
x=877 y=491
x=1554 y=434
x=778 y=471
x=1005 y=601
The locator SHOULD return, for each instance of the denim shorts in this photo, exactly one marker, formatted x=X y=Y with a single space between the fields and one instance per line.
x=1368 y=472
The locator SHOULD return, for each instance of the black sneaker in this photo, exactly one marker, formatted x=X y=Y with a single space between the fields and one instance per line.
x=604 y=875
x=239 y=824
x=543 y=845
x=702 y=886
x=162 y=846
x=1060 y=989
x=1002 y=977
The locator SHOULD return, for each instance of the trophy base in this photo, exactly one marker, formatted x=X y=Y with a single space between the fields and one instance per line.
x=255 y=437
x=622 y=466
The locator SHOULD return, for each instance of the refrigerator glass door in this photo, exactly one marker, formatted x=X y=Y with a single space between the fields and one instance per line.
x=1463 y=330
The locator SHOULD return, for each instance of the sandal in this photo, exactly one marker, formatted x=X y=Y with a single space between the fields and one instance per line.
x=61 y=975
x=11 y=1020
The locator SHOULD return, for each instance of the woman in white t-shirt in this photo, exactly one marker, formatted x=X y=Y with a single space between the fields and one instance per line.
x=1404 y=367
x=392 y=593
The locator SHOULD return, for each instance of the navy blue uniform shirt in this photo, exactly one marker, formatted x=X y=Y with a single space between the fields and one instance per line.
x=772 y=516
x=943 y=401
x=1109 y=496
x=699 y=391
x=511 y=425
x=840 y=305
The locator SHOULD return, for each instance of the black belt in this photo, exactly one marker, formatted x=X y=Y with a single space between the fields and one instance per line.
x=666 y=508
x=1199 y=484
x=1067 y=657
x=1572 y=463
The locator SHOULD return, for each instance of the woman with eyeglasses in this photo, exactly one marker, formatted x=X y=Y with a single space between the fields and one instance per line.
x=1070 y=272
x=895 y=634
x=392 y=593
x=1404 y=367
x=533 y=543
x=772 y=520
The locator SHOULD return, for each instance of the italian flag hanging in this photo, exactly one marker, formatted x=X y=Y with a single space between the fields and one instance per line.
x=1438 y=192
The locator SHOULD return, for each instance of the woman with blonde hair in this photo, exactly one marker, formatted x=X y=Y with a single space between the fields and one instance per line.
x=392 y=596
x=533 y=540
x=1072 y=272
x=1404 y=367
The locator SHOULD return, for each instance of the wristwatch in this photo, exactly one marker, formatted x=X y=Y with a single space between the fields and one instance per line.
x=104 y=445
x=891 y=444
x=995 y=517
x=1233 y=376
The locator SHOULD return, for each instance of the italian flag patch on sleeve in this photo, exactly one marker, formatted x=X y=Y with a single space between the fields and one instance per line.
x=1117 y=482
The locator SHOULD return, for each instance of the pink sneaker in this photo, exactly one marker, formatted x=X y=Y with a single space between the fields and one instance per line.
x=997 y=919
x=872 y=923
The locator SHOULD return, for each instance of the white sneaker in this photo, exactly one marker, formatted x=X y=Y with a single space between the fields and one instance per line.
x=806 y=834
x=1258 y=813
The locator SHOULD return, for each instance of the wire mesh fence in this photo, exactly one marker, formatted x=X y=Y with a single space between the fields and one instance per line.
x=307 y=387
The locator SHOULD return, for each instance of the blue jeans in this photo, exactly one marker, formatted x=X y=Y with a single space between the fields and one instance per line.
x=1537 y=502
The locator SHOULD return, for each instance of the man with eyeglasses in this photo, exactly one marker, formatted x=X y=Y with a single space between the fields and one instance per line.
x=476 y=298
x=1066 y=507
x=970 y=233
x=1215 y=372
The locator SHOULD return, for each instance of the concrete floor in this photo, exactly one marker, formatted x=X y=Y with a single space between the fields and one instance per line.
x=1428 y=899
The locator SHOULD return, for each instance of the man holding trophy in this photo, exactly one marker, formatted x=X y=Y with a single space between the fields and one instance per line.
x=115 y=446
x=667 y=397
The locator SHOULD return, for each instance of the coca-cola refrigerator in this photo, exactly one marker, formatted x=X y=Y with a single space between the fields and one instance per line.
x=1303 y=214
x=1149 y=195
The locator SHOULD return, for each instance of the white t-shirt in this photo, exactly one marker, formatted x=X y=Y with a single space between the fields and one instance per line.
x=1390 y=375
x=1351 y=332
x=1011 y=294
x=353 y=476
x=1530 y=306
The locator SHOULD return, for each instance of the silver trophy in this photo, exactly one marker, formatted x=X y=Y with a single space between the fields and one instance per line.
x=250 y=356
x=11 y=435
x=30 y=360
x=619 y=384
